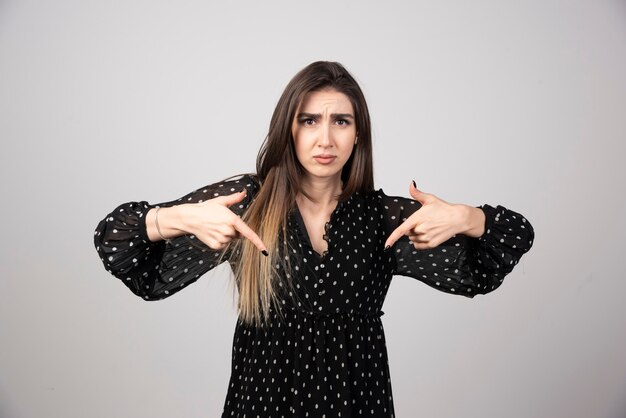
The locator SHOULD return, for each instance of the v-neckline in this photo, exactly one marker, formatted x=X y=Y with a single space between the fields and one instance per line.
x=305 y=231
x=341 y=205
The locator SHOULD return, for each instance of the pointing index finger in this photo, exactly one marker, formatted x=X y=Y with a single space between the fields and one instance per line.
x=247 y=232
x=402 y=229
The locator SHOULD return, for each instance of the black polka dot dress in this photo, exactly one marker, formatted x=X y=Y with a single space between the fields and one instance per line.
x=326 y=355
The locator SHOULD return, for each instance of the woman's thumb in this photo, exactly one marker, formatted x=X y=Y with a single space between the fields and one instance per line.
x=416 y=193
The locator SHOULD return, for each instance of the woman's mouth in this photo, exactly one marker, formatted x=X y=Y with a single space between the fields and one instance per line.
x=324 y=158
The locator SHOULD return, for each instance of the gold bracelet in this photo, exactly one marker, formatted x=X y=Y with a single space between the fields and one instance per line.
x=156 y=222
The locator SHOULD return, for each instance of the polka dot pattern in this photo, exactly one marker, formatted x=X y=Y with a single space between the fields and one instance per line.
x=326 y=355
x=156 y=270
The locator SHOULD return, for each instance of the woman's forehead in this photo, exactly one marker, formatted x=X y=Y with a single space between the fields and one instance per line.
x=328 y=99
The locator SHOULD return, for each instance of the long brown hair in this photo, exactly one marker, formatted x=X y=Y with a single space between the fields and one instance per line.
x=279 y=173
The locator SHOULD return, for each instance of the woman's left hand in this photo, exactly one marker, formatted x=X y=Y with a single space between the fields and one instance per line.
x=437 y=221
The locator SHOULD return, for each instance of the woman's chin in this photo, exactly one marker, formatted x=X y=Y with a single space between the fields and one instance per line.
x=319 y=173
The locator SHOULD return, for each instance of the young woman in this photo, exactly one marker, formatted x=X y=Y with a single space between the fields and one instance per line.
x=313 y=247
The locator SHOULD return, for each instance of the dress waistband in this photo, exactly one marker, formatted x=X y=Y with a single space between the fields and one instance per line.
x=319 y=315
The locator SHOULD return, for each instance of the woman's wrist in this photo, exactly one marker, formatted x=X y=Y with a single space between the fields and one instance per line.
x=473 y=221
x=164 y=223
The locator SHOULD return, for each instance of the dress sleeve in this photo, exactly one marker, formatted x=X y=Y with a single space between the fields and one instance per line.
x=461 y=265
x=156 y=270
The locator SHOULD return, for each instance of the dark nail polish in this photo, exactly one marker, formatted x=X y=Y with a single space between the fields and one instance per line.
x=387 y=248
x=265 y=253
x=414 y=185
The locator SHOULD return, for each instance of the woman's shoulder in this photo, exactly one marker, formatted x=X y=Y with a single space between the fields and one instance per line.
x=381 y=196
x=248 y=180
x=385 y=201
x=224 y=187
x=242 y=178
x=371 y=197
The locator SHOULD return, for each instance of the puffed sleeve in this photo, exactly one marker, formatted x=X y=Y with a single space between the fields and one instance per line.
x=461 y=265
x=156 y=270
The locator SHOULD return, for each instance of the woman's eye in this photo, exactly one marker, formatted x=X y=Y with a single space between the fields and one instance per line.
x=342 y=122
x=308 y=121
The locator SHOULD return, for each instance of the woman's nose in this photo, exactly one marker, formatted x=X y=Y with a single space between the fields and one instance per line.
x=325 y=136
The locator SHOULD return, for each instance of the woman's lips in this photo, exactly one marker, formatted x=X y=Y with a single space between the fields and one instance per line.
x=324 y=159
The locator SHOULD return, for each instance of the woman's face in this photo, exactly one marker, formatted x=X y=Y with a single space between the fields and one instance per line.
x=324 y=133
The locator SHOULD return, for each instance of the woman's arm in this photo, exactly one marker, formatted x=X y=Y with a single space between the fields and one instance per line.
x=213 y=222
x=150 y=267
x=469 y=253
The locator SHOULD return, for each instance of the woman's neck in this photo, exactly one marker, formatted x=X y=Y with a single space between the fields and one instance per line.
x=323 y=192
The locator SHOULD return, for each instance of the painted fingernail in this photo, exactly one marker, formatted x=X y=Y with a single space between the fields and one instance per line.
x=387 y=248
x=265 y=253
x=414 y=185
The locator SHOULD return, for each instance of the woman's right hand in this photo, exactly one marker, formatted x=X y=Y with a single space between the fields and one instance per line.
x=211 y=221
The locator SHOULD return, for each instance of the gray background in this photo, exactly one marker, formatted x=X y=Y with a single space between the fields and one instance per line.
x=513 y=103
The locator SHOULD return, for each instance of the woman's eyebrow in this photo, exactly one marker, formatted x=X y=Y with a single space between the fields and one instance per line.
x=342 y=115
x=319 y=115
